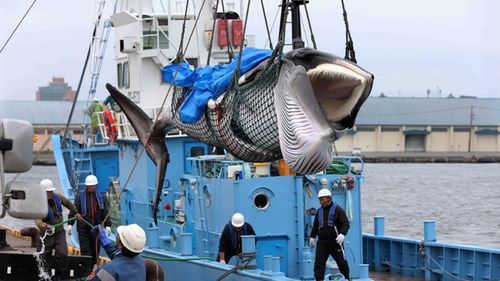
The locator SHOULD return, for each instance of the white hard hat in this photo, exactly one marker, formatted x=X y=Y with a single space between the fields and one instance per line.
x=91 y=180
x=324 y=192
x=133 y=237
x=48 y=185
x=237 y=220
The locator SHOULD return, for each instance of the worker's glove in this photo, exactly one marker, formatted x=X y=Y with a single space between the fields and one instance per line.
x=222 y=261
x=311 y=242
x=102 y=236
x=108 y=231
x=340 y=238
x=69 y=229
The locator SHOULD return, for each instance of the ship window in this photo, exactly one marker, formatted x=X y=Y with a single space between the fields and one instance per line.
x=120 y=75
x=197 y=151
x=126 y=75
x=261 y=201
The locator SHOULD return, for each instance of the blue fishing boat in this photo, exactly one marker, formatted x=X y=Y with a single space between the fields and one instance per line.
x=185 y=210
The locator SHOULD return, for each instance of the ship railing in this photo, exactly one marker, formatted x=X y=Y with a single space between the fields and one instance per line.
x=153 y=37
x=352 y=164
x=123 y=127
x=216 y=166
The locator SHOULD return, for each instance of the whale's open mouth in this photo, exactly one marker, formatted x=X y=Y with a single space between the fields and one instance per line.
x=338 y=89
x=317 y=99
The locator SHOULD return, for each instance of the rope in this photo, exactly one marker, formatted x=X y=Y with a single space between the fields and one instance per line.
x=230 y=51
x=117 y=200
x=267 y=25
x=96 y=25
x=350 y=54
x=212 y=37
x=72 y=219
x=310 y=26
x=176 y=259
x=180 y=54
x=242 y=263
x=237 y=71
x=281 y=35
x=17 y=26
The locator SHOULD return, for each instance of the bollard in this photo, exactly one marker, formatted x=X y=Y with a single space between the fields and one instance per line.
x=429 y=231
x=307 y=264
x=379 y=225
x=186 y=243
x=275 y=264
x=267 y=263
x=363 y=272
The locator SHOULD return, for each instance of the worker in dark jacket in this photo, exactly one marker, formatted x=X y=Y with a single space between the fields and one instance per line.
x=127 y=263
x=230 y=239
x=330 y=225
x=93 y=206
x=57 y=240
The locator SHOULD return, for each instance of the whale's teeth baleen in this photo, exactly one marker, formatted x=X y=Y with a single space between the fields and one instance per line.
x=294 y=109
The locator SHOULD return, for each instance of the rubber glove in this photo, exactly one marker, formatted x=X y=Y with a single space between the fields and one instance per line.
x=108 y=231
x=311 y=242
x=340 y=238
x=69 y=229
x=102 y=236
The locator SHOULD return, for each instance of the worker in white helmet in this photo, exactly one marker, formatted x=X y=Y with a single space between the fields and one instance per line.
x=93 y=205
x=57 y=241
x=330 y=225
x=230 y=239
x=127 y=263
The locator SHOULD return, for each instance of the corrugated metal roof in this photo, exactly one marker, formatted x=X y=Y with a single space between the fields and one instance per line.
x=42 y=112
x=429 y=111
x=375 y=111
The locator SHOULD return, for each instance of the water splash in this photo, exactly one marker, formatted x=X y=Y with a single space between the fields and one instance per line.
x=42 y=274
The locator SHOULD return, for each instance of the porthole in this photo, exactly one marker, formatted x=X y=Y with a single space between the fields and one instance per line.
x=261 y=201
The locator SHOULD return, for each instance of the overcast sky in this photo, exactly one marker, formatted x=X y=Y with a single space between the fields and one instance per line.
x=410 y=46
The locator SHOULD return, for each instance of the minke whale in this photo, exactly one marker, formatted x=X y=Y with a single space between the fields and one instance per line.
x=291 y=108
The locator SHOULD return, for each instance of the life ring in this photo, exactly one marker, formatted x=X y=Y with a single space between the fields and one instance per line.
x=109 y=125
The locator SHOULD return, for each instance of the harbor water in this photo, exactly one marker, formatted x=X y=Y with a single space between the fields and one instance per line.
x=461 y=198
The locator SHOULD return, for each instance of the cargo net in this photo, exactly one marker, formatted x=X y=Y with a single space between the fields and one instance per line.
x=244 y=123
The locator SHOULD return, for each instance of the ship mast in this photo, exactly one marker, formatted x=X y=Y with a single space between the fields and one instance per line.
x=297 y=41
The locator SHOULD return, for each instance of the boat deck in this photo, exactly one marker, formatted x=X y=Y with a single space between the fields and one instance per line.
x=21 y=244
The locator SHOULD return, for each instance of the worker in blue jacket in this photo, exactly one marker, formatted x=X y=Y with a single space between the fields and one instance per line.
x=230 y=240
x=330 y=225
x=127 y=263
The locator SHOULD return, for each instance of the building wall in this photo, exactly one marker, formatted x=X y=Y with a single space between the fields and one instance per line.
x=440 y=139
x=44 y=133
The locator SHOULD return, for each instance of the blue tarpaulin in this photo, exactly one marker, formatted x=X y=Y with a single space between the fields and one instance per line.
x=208 y=82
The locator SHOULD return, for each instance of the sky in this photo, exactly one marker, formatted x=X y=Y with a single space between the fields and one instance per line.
x=445 y=46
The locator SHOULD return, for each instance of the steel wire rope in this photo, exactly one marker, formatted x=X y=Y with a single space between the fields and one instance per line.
x=17 y=26
x=212 y=32
x=274 y=22
x=303 y=28
x=267 y=25
x=230 y=51
x=310 y=26
x=114 y=203
x=350 y=54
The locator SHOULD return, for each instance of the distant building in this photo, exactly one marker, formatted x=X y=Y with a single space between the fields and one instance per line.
x=56 y=90
x=47 y=117
x=404 y=124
